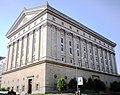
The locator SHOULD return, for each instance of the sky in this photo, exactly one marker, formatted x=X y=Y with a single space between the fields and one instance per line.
x=102 y=16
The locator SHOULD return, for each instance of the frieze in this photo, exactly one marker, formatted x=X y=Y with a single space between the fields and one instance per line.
x=58 y=29
x=37 y=29
x=25 y=36
x=44 y=25
x=31 y=32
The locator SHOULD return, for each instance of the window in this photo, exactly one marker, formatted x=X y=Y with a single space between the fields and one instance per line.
x=61 y=40
x=70 y=50
x=71 y=61
x=53 y=18
x=78 y=53
x=62 y=59
x=37 y=86
x=89 y=36
x=23 y=88
x=95 y=39
x=62 y=23
x=70 y=27
x=90 y=50
x=70 y=43
x=17 y=89
x=77 y=46
x=96 y=59
x=91 y=57
x=84 y=48
x=83 y=34
x=77 y=30
x=84 y=55
x=61 y=47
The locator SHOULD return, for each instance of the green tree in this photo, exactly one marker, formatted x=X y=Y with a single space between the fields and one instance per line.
x=99 y=85
x=91 y=84
x=73 y=84
x=115 y=86
x=61 y=84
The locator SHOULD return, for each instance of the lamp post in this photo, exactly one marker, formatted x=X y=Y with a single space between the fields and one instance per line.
x=76 y=71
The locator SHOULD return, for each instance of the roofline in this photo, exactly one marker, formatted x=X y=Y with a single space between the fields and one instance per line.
x=79 y=25
x=53 y=11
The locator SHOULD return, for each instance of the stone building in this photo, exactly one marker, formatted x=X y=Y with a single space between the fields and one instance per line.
x=2 y=63
x=45 y=44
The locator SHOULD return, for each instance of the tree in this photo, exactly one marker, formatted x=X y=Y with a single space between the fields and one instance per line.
x=91 y=84
x=115 y=86
x=99 y=85
x=61 y=84
x=73 y=84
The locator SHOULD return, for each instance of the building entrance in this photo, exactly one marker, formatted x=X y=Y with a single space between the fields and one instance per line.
x=29 y=86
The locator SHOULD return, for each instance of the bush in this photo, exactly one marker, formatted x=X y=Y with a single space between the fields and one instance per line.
x=4 y=89
x=61 y=84
x=99 y=85
x=73 y=84
x=115 y=86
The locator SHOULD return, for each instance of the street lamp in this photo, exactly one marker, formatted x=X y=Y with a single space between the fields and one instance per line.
x=76 y=71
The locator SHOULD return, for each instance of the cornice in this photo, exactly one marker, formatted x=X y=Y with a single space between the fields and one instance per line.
x=57 y=63
x=80 y=26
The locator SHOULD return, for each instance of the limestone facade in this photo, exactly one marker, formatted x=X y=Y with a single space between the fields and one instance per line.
x=45 y=44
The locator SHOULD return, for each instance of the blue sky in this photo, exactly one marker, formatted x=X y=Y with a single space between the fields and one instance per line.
x=102 y=16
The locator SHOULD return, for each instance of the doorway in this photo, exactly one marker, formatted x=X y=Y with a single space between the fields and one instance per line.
x=29 y=86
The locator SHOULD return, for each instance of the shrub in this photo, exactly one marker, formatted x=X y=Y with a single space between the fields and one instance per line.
x=61 y=84
x=115 y=86
x=73 y=84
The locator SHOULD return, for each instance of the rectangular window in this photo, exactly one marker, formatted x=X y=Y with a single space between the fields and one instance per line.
x=77 y=46
x=17 y=89
x=96 y=59
x=37 y=86
x=61 y=40
x=84 y=48
x=78 y=53
x=61 y=47
x=84 y=55
x=23 y=88
x=62 y=59
x=91 y=57
x=90 y=50
x=71 y=61
x=70 y=43
x=70 y=50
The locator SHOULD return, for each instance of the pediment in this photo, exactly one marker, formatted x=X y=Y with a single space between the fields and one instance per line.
x=25 y=16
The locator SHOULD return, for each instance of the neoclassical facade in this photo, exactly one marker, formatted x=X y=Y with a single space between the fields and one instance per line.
x=45 y=44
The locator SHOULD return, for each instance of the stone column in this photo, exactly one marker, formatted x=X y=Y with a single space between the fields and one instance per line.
x=7 y=59
x=10 y=57
x=66 y=48
x=39 y=42
x=115 y=64
x=88 y=54
x=20 y=52
x=59 y=43
x=31 y=48
x=43 y=42
x=25 y=50
x=14 y=55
